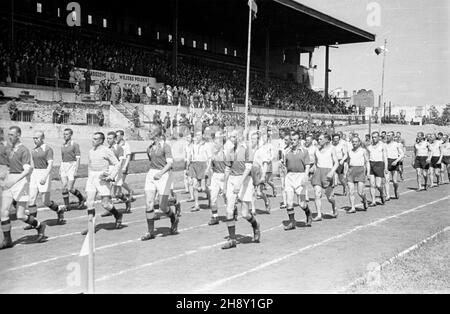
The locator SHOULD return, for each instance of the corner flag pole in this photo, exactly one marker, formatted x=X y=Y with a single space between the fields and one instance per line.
x=91 y=259
x=247 y=85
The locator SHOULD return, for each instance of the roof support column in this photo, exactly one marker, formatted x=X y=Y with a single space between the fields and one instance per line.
x=327 y=70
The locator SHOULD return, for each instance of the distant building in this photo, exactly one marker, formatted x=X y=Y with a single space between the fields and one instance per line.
x=363 y=98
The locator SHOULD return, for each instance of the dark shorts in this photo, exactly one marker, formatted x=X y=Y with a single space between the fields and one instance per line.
x=320 y=178
x=269 y=167
x=197 y=170
x=340 y=168
x=391 y=167
x=357 y=174
x=377 y=169
x=421 y=162
x=434 y=162
x=446 y=160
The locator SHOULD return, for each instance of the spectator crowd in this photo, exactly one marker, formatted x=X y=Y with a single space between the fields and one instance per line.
x=39 y=56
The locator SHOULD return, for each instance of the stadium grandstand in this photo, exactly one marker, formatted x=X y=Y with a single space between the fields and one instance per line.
x=186 y=53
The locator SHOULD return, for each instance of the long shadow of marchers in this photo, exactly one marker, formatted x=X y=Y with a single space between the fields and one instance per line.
x=53 y=222
x=243 y=239
x=163 y=231
x=110 y=226
x=298 y=224
x=29 y=239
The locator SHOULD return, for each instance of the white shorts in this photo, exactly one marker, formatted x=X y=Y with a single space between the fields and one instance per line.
x=94 y=184
x=35 y=182
x=295 y=182
x=217 y=185
x=68 y=170
x=19 y=191
x=118 y=179
x=245 y=193
x=162 y=186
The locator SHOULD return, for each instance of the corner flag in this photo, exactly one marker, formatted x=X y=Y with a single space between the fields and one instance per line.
x=253 y=7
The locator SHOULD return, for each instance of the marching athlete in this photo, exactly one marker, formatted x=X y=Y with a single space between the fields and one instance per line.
x=70 y=152
x=395 y=155
x=359 y=170
x=378 y=167
x=326 y=161
x=216 y=165
x=238 y=185
x=126 y=164
x=199 y=155
x=297 y=164
x=445 y=155
x=421 y=160
x=117 y=183
x=311 y=147
x=16 y=188
x=40 y=181
x=100 y=176
x=435 y=165
x=340 y=146
x=158 y=181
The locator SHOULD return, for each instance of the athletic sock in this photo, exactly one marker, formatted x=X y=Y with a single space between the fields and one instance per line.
x=291 y=214
x=78 y=195
x=32 y=209
x=32 y=221
x=115 y=213
x=65 y=196
x=53 y=206
x=253 y=222
x=6 y=228
x=231 y=230
x=150 y=225
x=171 y=215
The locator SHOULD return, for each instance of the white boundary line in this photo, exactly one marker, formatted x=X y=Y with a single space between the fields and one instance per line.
x=287 y=256
x=412 y=248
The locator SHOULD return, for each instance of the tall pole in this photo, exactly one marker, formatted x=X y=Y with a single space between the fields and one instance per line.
x=175 y=41
x=247 y=84
x=91 y=256
x=382 y=75
x=12 y=24
x=327 y=65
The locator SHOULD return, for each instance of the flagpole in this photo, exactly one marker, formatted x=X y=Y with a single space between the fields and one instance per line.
x=91 y=260
x=382 y=76
x=247 y=86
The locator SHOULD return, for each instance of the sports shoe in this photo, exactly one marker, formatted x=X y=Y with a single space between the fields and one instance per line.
x=213 y=221
x=229 y=245
x=60 y=213
x=106 y=214
x=256 y=233
x=290 y=226
x=195 y=209
x=267 y=204
x=6 y=244
x=41 y=232
x=147 y=236
x=351 y=211
x=317 y=218
x=28 y=227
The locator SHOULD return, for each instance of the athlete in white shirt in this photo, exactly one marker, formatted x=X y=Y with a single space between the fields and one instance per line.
x=395 y=155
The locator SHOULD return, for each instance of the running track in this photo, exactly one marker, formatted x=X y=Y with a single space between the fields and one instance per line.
x=324 y=258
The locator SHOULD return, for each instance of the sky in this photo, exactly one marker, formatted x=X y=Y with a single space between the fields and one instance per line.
x=417 y=67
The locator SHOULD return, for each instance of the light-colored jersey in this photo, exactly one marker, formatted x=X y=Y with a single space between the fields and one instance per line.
x=445 y=147
x=357 y=157
x=435 y=148
x=324 y=157
x=422 y=148
x=394 y=150
x=376 y=151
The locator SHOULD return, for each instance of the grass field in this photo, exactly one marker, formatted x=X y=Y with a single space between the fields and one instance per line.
x=424 y=270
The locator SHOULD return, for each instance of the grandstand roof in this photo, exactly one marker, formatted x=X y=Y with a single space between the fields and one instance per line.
x=291 y=23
